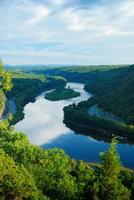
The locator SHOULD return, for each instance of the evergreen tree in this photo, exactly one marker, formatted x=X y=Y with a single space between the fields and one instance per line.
x=110 y=187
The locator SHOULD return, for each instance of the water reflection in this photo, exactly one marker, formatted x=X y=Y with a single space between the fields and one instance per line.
x=43 y=123
x=43 y=120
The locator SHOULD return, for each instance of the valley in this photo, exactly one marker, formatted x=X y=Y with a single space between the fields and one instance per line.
x=79 y=125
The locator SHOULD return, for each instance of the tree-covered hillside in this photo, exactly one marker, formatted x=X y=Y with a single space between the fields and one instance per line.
x=111 y=85
x=114 y=91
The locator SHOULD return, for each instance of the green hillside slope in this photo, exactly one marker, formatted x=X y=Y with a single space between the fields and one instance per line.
x=114 y=91
x=111 y=85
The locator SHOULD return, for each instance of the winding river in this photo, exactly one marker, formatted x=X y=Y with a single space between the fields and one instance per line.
x=43 y=124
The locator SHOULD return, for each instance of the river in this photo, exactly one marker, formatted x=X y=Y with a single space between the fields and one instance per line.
x=43 y=124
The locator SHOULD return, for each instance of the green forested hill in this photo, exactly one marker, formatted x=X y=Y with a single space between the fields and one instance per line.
x=120 y=99
x=90 y=68
x=112 y=86
x=115 y=92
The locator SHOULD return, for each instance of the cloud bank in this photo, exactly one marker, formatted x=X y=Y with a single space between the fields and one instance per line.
x=67 y=31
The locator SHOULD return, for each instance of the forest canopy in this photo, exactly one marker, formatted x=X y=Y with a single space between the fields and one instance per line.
x=29 y=172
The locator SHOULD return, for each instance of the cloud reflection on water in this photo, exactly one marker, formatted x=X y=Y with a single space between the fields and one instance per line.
x=43 y=121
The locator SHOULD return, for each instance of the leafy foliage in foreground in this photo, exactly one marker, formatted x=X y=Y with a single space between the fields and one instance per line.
x=2 y=101
x=5 y=86
x=29 y=172
x=5 y=79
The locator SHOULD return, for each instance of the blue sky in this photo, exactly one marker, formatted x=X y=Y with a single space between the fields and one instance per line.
x=67 y=31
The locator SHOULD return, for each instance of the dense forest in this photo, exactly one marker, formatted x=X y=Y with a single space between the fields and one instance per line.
x=112 y=87
x=29 y=172
x=61 y=93
x=78 y=119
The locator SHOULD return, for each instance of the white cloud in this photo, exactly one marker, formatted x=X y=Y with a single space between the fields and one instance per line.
x=105 y=19
x=116 y=32
x=76 y=27
x=59 y=2
x=39 y=12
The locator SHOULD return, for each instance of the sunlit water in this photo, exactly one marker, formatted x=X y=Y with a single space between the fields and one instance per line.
x=43 y=124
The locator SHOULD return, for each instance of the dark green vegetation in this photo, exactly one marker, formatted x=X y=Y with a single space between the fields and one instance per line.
x=26 y=87
x=112 y=87
x=77 y=118
x=114 y=92
x=90 y=68
x=61 y=93
x=79 y=74
x=29 y=172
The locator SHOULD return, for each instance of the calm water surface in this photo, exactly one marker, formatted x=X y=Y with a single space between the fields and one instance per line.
x=43 y=124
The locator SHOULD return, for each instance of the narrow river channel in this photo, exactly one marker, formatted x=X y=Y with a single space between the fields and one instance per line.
x=43 y=124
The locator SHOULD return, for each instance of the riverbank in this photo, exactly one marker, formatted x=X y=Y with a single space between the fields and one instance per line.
x=45 y=118
x=95 y=111
x=77 y=117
